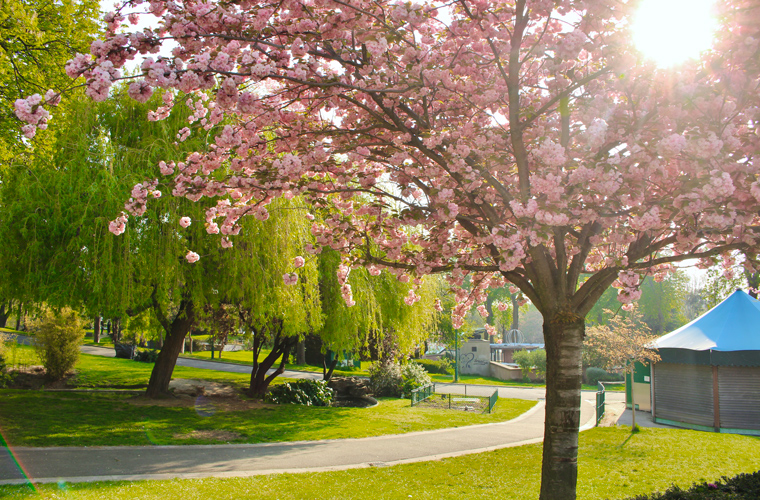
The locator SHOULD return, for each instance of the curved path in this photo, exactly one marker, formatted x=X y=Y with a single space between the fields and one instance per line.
x=75 y=464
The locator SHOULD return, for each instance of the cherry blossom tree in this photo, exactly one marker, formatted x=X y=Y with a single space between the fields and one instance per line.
x=521 y=141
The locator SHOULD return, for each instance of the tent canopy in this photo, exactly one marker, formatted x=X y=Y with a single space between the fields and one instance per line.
x=733 y=326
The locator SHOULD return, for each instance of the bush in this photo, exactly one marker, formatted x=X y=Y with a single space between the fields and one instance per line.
x=524 y=361
x=594 y=375
x=741 y=487
x=442 y=366
x=301 y=392
x=533 y=360
x=413 y=376
x=539 y=362
x=146 y=356
x=385 y=379
x=5 y=377
x=58 y=337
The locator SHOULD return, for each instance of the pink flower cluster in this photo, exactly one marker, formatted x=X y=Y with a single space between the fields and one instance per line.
x=298 y=262
x=192 y=257
x=411 y=298
x=345 y=287
x=290 y=279
x=185 y=221
x=31 y=111
x=628 y=283
x=118 y=225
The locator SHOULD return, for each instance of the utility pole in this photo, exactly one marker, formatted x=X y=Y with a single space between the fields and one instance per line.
x=456 y=356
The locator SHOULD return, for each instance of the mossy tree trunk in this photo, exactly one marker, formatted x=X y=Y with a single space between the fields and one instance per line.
x=281 y=348
x=176 y=330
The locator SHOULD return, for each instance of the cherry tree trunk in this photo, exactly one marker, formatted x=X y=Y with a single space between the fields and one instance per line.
x=167 y=357
x=563 y=336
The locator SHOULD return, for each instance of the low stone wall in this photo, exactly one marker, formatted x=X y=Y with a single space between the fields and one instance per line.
x=505 y=372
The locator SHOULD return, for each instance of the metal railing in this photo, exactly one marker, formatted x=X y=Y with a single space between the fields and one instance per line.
x=599 y=402
x=492 y=400
x=422 y=393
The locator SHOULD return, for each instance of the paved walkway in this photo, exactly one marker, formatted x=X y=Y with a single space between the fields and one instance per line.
x=74 y=464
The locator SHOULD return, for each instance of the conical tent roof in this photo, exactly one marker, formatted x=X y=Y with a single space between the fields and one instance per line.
x=733 y=326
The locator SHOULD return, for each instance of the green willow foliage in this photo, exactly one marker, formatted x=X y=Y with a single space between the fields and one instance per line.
x=37 y=37
x=380 y=310
x=56 y=212
x=58 y=248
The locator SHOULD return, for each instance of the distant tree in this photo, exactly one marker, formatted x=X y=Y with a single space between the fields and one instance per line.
x=620 y=342
x=660 y=305
x=719 y=283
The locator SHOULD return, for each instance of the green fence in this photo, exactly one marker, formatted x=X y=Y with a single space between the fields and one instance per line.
x=599 y=402
x=422 y=393
x=492 y=400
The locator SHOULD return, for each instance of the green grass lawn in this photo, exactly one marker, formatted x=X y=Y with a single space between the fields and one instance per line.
x=40 y=418
x=478 y=380
x=84 y=419
x=612 y=464
x=246 y=358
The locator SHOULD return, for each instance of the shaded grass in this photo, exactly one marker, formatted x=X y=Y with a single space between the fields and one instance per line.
x=86 y=419
x=651 y=460
x=39 y=418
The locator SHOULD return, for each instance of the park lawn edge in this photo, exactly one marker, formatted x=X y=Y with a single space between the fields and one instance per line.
x=613 y=464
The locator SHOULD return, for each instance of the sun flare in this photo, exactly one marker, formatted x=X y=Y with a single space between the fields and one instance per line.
x=672 y=31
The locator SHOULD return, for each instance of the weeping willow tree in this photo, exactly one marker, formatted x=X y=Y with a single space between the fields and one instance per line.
x=271 y=312
x=55 y=216
x=380 y=319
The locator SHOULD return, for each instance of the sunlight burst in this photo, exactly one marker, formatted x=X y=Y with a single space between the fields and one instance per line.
x=671 y=31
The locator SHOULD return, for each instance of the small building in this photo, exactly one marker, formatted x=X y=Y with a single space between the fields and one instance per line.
x=475 y=357
x=708 y=377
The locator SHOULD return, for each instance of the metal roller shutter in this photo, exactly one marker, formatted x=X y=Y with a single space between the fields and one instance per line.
x=739 y=397
x=684 y=393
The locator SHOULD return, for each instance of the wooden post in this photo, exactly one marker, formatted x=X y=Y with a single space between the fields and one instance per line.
x=716 y=399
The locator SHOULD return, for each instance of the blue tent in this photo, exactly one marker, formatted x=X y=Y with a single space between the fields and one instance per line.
x=726 y=335
x=709 y=374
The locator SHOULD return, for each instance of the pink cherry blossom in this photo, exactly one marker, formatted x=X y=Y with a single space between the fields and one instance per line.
x=185 y=221
x=192 y=257
x=298 y=262
x=495 y=142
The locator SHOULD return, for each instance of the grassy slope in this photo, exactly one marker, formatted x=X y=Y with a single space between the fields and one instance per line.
x=34 y=418
x=77 y=419
x=611 y=465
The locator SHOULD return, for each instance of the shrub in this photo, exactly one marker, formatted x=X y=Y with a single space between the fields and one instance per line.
x=741 y=487
x=301 y=392
x=146 y=356
x=442 y=366
x=539 y=362
x=533 y=360
x=413 y=376
x=5 y=377
x=385 y=379
x=594 y=375
x=58 y=337
x=524 y=361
